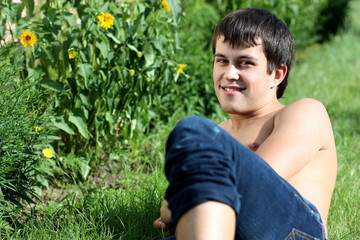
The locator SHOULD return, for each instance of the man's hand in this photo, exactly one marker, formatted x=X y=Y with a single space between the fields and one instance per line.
x=165 y=219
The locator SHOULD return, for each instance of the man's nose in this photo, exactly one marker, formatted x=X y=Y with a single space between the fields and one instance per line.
x=232 y=73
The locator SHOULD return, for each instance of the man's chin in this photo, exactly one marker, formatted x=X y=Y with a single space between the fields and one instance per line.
x=230 y=109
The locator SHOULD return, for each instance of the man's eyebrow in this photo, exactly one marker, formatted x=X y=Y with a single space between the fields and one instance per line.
x=219 y=55
x=238 y=57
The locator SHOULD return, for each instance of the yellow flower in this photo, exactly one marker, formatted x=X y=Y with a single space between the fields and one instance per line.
x=47 y=152
x=28 y=38
x=148 y=80
x=37 y=129
x=139 y=54
x=72 y=54
x=106 y=20
x=181 y=68
x=132 y=72
x=165 y=5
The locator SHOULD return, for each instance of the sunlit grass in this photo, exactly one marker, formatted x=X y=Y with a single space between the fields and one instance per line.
x=329 y=73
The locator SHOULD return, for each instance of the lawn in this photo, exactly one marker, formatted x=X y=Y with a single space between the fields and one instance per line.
x=329 y=73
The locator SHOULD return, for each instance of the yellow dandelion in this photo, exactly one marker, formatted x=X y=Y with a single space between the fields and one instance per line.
x=132 y=72
x=28 y=38
x=37 y=129
x=106 y=20
x=47 y=152
x=73 y=54
x=181 y=68
x=148 y=80
x=165 y=5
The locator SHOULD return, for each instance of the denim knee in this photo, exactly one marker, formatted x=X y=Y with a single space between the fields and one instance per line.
x=193 y=127
x=195 y=123
x=198 y=167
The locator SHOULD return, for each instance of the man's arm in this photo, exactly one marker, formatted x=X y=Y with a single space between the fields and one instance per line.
x=301 y=129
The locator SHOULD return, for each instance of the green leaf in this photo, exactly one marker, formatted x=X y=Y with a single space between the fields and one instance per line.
x=133 y=48
x=48 y=53
x=149 y=55
x=133 y=28
x=71 y=19
x=109 y=117
x=77 y=117
x=84 y=100
x=29 y=7
x=35 y=74
x=60 y=123
x=113 y=37
x=104 y=49
x=85 y=71
x=52 y=85
x=104 y=8
x=85 y=169
x=175 y=9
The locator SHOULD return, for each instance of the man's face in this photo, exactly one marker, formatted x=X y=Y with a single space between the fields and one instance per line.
x=242 y=83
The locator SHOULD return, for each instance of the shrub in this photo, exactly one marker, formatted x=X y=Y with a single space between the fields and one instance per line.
x=309 y=21
x=109 y=64
x=23 y=136
x=332 y=18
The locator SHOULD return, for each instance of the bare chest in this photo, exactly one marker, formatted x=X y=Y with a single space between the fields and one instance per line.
x=254 y=134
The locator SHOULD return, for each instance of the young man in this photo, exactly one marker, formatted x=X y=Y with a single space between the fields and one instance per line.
x=269 y=171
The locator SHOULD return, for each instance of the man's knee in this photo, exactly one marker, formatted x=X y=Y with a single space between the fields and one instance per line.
x=191 y=121
x=196 y=125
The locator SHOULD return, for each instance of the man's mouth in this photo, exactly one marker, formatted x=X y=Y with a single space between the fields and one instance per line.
x=233 y=89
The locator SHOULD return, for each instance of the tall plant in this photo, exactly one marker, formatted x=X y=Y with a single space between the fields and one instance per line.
x=24 y=140
x=108 y=62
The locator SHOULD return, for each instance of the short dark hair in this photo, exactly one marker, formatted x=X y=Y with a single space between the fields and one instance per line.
x=243 y=27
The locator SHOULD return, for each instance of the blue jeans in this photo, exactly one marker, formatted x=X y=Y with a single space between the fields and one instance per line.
x=203 y=162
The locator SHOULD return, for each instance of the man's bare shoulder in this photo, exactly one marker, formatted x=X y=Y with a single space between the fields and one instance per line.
x=303 y=113
x=304 y=106
x=301 y=130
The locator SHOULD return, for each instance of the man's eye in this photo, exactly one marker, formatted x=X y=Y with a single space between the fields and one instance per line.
x=221 y=61
x=245 y=64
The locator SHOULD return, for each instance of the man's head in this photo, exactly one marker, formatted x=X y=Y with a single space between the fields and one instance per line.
x=245 y=27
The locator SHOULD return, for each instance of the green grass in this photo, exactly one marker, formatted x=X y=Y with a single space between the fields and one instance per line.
x=124 y=213
x=329 y=73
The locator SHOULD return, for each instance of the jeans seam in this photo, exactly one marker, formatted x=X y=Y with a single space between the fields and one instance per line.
x=313 y=214
x=309 y=208
x=295 y=232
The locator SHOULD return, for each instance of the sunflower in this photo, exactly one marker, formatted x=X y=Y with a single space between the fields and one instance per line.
x=47 y=152
x=165 y=5
x=106 y=20
x=181 y=68
x=72 y=54
x=28 y=38
x=38 y=129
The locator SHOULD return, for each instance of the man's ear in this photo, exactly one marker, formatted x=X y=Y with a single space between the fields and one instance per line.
x=279 y=75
